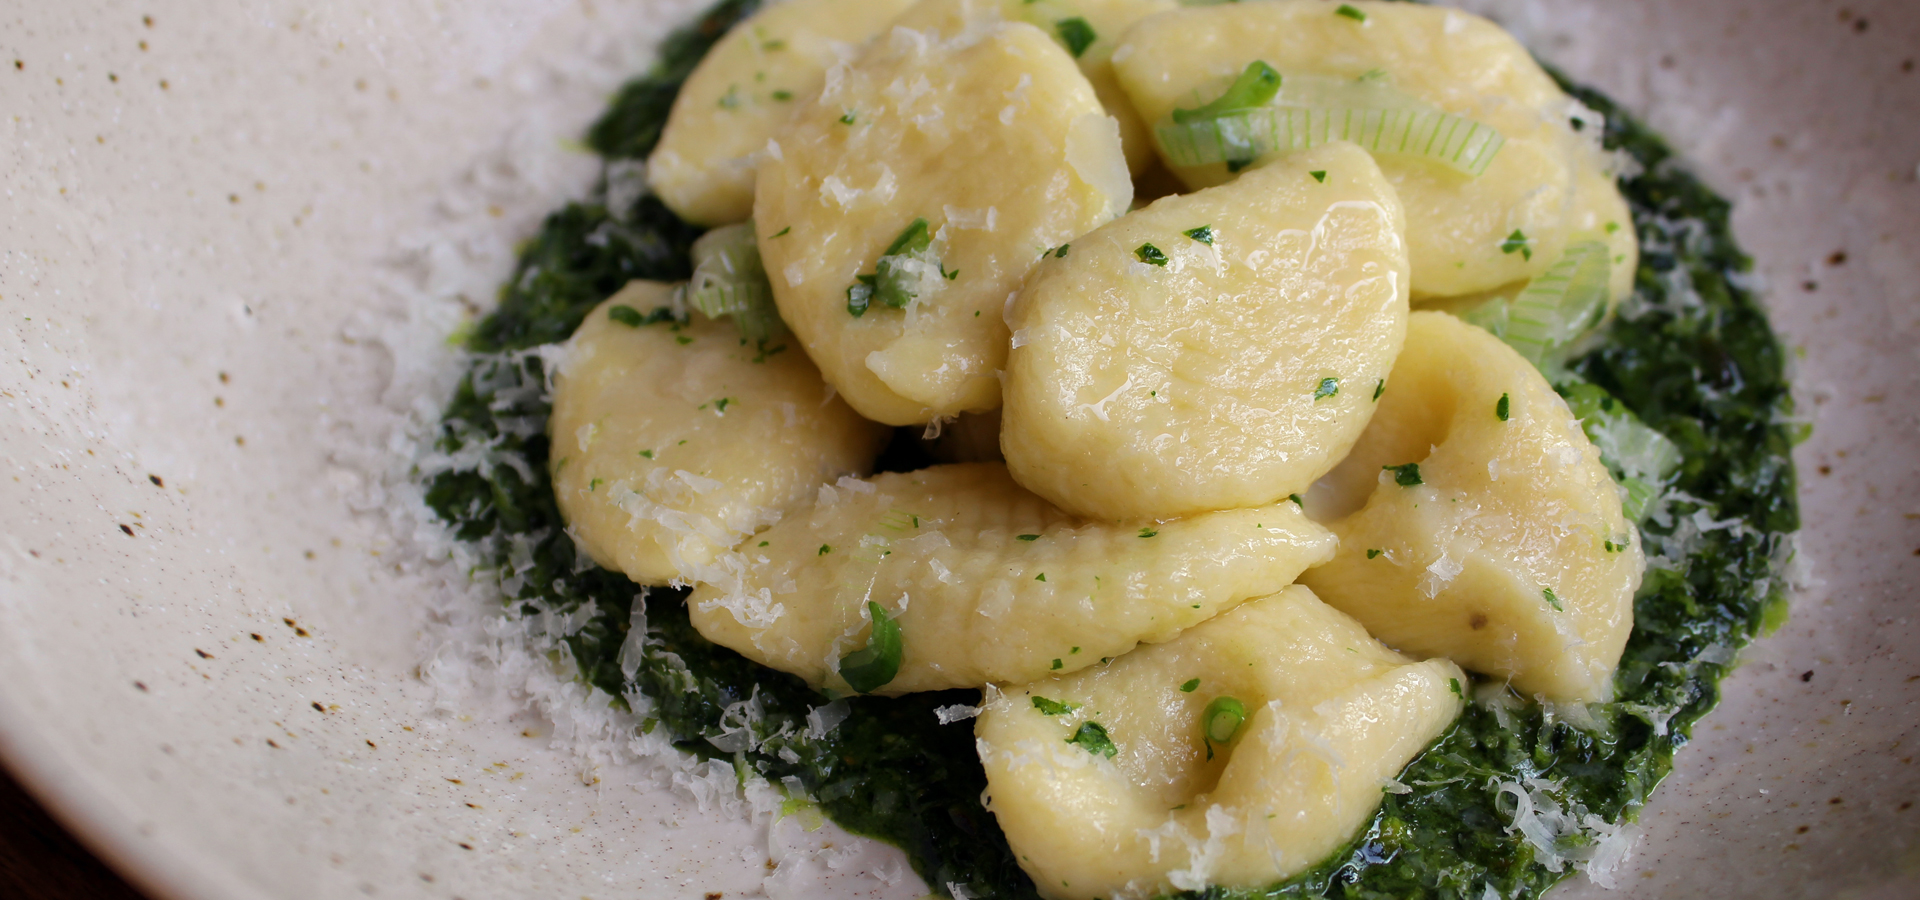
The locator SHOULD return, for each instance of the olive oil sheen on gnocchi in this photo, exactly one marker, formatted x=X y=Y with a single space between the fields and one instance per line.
x=1360 y=521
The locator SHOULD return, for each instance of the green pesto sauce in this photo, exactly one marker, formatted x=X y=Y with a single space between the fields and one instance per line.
x=1693 y=356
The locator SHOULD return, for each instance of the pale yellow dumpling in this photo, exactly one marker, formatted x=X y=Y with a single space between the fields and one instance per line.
x=995 y=144
x=1504 y=549
x=1461 y=229
x=672 y=441
x=1234 y=374
x=987 y=582
x=1090 y=27
x=1106 y=783
x=743 y=91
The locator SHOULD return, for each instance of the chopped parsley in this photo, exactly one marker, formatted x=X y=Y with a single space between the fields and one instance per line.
x=871 y=667
x=783 y=232
x=1372 y=553
x=646 y=454
x=1052 y=707
x=1040 y=577
x=846 y=118
x=1062 y=252
x=1056 y=664
x=1190 y=684
x=1297 y=501
x=1453 y=684
x=783 y=96
x=1379 y=387
x=1148 y=532
x=1327 y=388
x=1405 y=475
x=1076 y=33
x=1093 y=739
x=1151 y=255
x=1029 y=537
x=1203 y=234
x=1319 y=175
x=825 y=549
x=1518 y=242
x=1553 y=601
x=1502 y=408
x=1348 y=10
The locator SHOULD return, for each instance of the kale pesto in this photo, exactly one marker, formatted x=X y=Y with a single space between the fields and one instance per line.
x=1692 y=356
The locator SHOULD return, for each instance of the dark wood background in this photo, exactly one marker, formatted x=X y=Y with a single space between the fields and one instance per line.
x=39 y=860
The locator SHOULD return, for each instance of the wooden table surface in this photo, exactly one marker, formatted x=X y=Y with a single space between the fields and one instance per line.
x=40 y=861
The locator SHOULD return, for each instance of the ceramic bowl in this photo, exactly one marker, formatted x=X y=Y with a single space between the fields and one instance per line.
x=238 y=234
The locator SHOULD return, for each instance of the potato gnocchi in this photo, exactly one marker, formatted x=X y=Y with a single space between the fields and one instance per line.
x=1240 y=753
x=1486 y=530
x=1198 y=403
x=1215 y=350
x=743 y=91
x=672 y=441
x=900 y=208
x=987 y=582
x=1464 y=234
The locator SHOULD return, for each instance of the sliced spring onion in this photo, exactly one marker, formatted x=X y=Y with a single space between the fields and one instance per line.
x=1555 y=308
x=729 y=281
x=871 y=667
x=1240 y=138
x=1641 y=459
x=1257 y=85
x=1222 y=720
x=898 y=274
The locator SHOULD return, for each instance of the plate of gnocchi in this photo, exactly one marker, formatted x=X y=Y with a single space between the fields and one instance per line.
x=972 y=448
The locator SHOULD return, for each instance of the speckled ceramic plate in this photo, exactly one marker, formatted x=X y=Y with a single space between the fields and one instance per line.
x=234 y=234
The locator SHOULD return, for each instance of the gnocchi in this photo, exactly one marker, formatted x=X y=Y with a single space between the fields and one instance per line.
x=672 y=441
x=1464 y=233
x=1237 y=754
x=1477 y=522
x=987 y=582
x=900 y=208
x=743 y=91
x=1214 y=350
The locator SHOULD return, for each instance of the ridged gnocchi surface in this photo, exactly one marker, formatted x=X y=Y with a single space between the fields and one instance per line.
x=1155 y=373
x=743 y=91
x=1107 y=784
x=672 y=442
x=994 y=141
x=1505 y=549
x=1460 y=229
x=987 y=582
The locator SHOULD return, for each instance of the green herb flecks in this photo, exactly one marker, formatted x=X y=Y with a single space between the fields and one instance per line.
x=1093 y=739
x=1052 y=707
x=1326 y=388
x=1203 y=234
x=1350 y=11
x=1405 y=474
x=1151 y=255
x=1502 y=408
x=1076 y=33
x=1189 y=685
x=1518 y=242
x=1319 y=175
